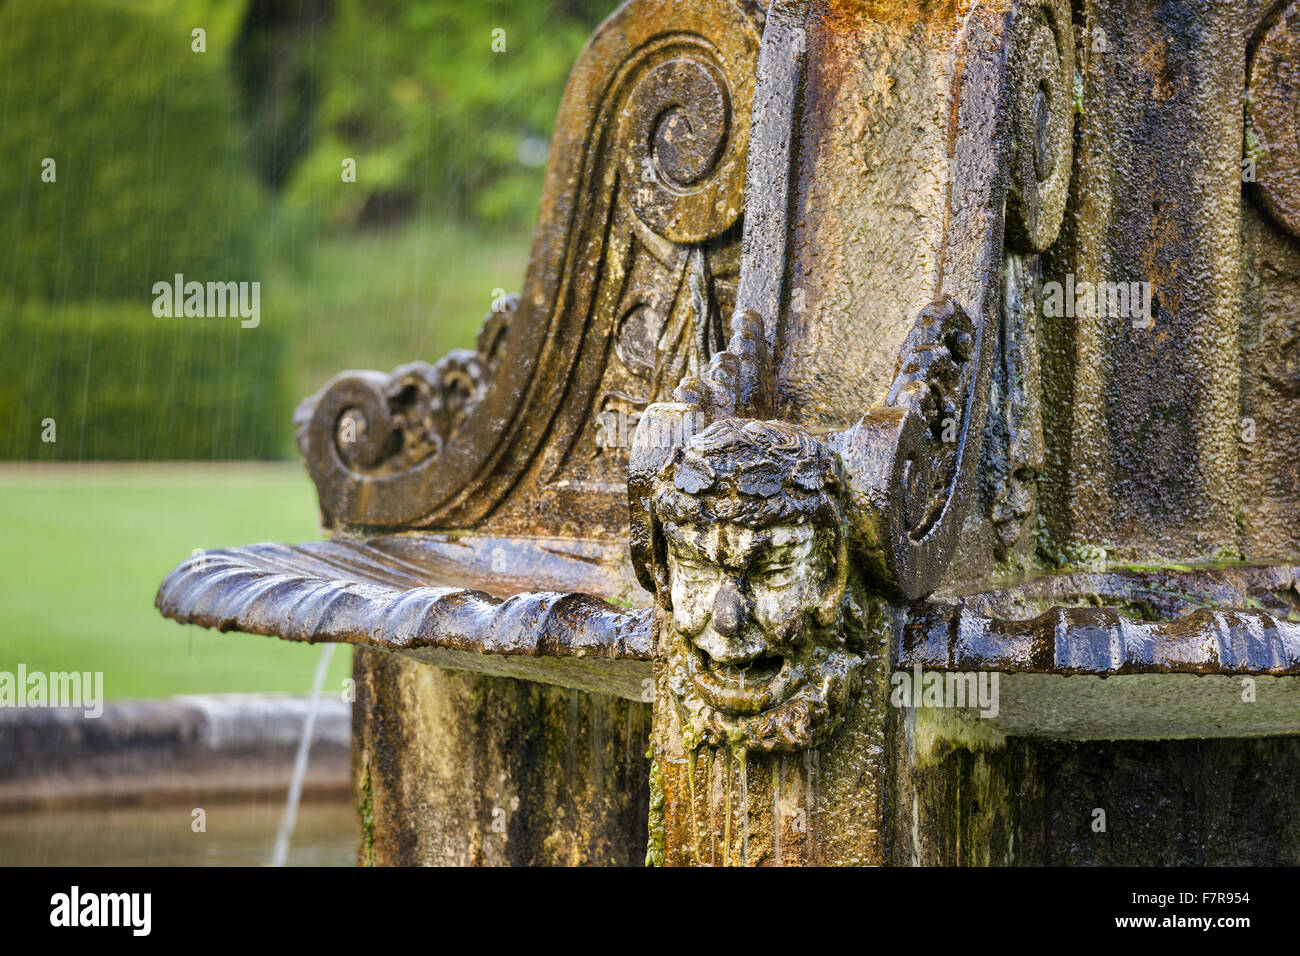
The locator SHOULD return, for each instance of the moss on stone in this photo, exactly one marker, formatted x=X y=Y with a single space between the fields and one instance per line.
x=366 y=810
x=656 y=845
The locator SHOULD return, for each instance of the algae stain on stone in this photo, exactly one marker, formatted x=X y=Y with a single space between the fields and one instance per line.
x=366 y=810
x=657 y=843
x=933 y=733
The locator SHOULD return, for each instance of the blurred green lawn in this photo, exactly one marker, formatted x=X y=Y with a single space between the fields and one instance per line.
x=85 y=547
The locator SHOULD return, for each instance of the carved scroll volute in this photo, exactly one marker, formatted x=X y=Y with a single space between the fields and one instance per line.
x=381 y=424
x=683 y=150
x=908 y=460
x=654 y=127
x=912 y=461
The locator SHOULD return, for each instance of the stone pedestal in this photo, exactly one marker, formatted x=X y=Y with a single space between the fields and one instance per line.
x=458 y=769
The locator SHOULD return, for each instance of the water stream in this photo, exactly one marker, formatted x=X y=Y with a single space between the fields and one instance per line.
x=280 y=855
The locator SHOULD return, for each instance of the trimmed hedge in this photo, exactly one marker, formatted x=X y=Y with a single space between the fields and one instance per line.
x=151 y=172
x=121 y=384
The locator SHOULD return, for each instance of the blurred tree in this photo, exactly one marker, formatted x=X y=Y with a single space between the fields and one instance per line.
x=126 y=164
x=274 y=62
x=442 y=114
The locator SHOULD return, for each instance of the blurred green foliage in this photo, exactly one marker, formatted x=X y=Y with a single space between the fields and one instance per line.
x=122 y=384
x=225 y=166
x=150 y=179
x=379 y=298
x=438 y=122
x=151 y=173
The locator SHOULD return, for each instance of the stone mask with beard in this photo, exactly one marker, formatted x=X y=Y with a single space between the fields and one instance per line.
x=752 y=569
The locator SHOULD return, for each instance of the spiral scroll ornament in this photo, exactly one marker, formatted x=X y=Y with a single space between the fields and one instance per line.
x=934 y=376
x=683 y=137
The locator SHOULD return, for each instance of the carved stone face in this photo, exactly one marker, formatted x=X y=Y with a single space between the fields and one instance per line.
x=754 y=570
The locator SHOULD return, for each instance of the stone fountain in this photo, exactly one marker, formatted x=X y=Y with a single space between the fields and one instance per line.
x=821 y=499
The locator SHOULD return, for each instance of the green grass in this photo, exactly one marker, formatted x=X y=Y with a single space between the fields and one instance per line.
x=85 y=547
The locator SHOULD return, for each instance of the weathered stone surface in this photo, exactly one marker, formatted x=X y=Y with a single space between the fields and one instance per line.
x=1035 y=803
x=1268 y=522
x=189 y=750
x=464 y=770
x=1273 y=138
x=1142 y=421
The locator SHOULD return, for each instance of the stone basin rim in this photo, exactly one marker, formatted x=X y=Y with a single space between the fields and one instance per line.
x=303 y=594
